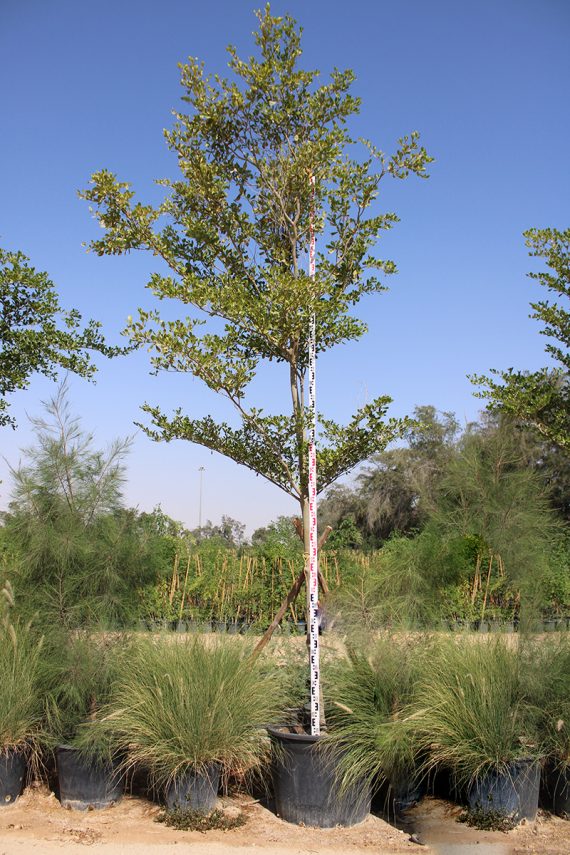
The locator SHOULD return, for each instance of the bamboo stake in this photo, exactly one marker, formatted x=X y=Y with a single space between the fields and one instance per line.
x=487 y=586
x=174 y=577
x=289 y=599
x=184 y=588
x=477 y=579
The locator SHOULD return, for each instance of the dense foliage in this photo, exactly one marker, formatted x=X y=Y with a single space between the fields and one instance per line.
x=466 y=527
x=36 y=334
x=73 y=552
x=542 y=398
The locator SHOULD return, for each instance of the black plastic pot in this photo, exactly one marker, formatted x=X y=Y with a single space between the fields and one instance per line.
x=555 y=790
x=391 y=798
x=12 y=776
x=513 y=793
x=86 y=784
x=443 y=784
x=197 y=790
x=407 y=791
x=549 y=625
x=305 y=786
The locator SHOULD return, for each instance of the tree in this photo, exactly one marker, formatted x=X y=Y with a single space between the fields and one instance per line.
x=78 y=555
x=233 y=232
x=36 y=334
x=490 y=496
x=229 y=533
x=398 y=488
x=542 y=398
x=277 y=539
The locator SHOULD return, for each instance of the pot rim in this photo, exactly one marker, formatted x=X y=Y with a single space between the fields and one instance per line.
x=276 y=732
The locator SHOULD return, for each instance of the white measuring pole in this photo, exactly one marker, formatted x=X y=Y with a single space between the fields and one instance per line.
x=313 y=548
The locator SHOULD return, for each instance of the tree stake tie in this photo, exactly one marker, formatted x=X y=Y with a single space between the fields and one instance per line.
x=313 y=548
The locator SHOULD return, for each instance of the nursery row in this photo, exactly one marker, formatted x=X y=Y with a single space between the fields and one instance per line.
x=222 y=589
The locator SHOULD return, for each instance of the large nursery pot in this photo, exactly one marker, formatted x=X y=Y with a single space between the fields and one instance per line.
x=306 y=788
x=12 y=775
x=195 y=789
x=86 y=784
x=513 y=792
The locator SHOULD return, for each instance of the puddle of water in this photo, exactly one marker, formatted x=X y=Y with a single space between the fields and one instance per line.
x=435 y=824
x=470 y=848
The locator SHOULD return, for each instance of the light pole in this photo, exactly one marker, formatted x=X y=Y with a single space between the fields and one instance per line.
x=201 y=470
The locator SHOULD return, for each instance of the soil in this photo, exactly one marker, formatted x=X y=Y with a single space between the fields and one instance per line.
x=435 y=823
x=37 y=824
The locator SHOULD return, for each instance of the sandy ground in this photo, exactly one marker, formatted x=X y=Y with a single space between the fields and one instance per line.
x=38 y=824
x=435 y=824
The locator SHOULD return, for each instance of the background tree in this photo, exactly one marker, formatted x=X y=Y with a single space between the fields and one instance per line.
x=36 y=334
x=542 y=398
x=233 y=231
x=278 y=538
x=228 y=532
x=398 y=489
x=76 y=554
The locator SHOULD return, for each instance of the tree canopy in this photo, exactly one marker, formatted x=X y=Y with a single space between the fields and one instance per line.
x=36 y=334
x=232 y=234
x=542 y=398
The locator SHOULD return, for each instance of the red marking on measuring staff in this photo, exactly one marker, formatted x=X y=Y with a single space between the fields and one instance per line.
x=313 y=548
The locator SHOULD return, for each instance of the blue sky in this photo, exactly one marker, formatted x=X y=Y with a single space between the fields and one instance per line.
x=92 y=85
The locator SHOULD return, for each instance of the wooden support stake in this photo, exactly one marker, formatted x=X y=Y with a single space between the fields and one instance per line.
x=293 y=593
x=174 y=583
x=184 y=589
x=290 y=598
x=487 y=586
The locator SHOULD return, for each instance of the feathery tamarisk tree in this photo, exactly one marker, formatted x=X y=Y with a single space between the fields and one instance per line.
x=233 y=232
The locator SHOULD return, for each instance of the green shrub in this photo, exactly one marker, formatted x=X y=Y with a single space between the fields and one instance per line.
x=82 y=670
x=371 y=732
x=21 y=681
x=549 y=662
x=477 y=707
x=181 y=705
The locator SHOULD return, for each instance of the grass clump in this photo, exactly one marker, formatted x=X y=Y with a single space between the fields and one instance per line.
x=180 y=706
x=21 y=681
x=186 y=819
x=550 y=661
x=82 y=668
x=476 y=708
x=371 y=731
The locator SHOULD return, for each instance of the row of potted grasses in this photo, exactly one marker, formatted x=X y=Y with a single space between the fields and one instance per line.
x=406 y=708
x=486 y=712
